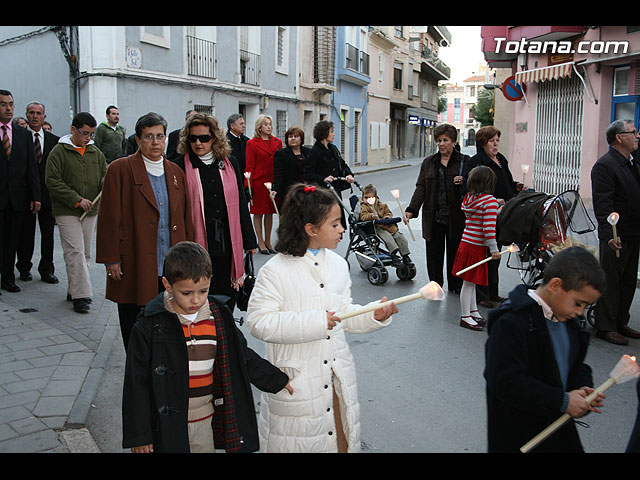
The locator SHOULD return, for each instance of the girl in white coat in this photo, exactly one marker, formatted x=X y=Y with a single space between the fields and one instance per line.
x=292 y=309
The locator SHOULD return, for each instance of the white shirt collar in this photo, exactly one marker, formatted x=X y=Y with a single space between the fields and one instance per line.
x=546 y=309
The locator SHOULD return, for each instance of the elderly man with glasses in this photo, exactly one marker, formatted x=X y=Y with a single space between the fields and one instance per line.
x=615 y=185
x=143 y=212
x=74 y=174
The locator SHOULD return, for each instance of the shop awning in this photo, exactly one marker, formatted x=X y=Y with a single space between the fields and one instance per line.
x=542 y=74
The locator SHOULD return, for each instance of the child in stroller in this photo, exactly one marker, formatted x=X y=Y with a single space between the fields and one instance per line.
x=371 y=208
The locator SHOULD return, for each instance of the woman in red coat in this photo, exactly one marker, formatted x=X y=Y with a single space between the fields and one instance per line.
x=259 y=156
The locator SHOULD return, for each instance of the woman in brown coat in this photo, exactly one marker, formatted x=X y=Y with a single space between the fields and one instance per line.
x=144 y=210
x=439 y=192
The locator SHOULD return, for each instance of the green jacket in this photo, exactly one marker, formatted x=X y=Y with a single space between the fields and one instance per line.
x=70 y=177
x=113 y=143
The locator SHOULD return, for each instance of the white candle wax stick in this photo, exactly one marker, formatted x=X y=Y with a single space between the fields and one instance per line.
x=404 y=218
x=625 y=370
x=94 y=202
x=431 y=291
x=615 y=237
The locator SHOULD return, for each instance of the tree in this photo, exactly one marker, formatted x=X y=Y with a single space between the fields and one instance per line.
x=484 y=110
x=442 y=98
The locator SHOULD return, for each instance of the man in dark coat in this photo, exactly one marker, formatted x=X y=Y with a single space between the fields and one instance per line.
x=19 y=187
x=615 y=187
x=45 y=142
x=535 y=353
x=237 y=139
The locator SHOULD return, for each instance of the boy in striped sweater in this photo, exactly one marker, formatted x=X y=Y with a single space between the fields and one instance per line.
x=188 y=370
x=481 y=210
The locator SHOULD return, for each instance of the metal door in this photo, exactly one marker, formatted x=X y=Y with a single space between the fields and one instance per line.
x=558 y=135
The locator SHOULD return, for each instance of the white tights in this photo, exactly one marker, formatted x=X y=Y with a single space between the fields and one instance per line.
x=468 y=301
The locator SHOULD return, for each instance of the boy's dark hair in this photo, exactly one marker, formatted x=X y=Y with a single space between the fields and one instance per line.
x=481 y=180
x=82 y=119
x=303 y=204
x=187 y=261
x=576 y=267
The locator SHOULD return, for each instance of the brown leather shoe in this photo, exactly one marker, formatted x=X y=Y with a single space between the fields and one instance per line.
x=486 y=303
x=612 y=337
x=628 y=332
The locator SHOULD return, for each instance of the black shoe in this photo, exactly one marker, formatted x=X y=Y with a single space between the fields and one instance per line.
x=26 y=277
x=11 y=287
x=81 y=305
x=69 y=299
x=407 y=260
x=49 y=278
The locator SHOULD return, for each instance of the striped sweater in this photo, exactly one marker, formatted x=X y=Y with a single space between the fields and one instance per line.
x=200 y=337
x=481 y=212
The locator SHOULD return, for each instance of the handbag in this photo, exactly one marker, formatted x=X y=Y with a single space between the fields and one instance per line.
x=249 y=282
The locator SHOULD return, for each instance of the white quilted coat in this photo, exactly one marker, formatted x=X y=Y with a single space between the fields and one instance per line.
x=287 y=310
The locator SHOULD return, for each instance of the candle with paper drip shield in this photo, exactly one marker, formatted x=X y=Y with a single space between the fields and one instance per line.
x=626 y=369
x=510 y=249
x=613 y=220
x=273 y=200
x=431 y=291
x=247 y=175
x=396 y=195
x=525 y=169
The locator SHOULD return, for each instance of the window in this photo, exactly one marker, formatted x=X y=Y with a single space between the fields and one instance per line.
x=156 y=35
x=397 y=76
x=282 y=50
x=281 y=123
x=623 y=105
x=621 y=81
x=324 y=43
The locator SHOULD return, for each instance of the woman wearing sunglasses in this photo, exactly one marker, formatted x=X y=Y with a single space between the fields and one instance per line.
x=219 y=211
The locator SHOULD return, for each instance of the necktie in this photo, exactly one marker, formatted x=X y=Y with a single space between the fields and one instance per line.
x=5 y=142
x=38 y=148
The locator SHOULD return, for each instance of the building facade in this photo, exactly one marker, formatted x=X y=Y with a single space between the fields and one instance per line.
x=577 y=80
x=379 y=85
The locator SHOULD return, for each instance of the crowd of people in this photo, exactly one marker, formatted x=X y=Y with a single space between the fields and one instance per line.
x=176 y=213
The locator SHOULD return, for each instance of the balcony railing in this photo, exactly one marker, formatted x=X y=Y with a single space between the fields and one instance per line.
x=249 y=68
x=201 y=57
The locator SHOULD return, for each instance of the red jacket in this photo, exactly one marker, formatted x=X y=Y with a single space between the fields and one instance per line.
x=259 y=156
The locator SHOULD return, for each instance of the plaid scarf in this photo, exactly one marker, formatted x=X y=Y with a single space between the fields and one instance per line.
x=225 y=424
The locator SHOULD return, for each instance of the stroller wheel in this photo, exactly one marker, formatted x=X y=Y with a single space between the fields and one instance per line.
x=406 y=272
x=377 y=275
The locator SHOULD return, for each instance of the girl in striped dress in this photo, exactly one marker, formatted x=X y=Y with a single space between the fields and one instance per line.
x=481 y=209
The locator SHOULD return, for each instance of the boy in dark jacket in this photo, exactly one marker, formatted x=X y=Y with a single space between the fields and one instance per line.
x=188 y=369
x=535 y=352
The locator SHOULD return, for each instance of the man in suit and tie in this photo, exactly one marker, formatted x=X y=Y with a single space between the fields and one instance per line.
x=174 y=139
x=43 y=142
x=19 y=187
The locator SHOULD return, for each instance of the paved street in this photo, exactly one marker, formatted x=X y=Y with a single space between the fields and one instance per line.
x=420 y=380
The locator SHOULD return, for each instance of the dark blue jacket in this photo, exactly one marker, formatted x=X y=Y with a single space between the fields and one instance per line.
x=524 y=389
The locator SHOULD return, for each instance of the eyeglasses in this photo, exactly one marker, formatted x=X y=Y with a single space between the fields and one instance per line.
x=85 y=134
x=202 y=138
x=149 y=137
x=634 y=132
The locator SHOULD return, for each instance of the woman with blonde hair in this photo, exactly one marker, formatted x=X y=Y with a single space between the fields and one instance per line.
x=259 y=157
x=221 y=220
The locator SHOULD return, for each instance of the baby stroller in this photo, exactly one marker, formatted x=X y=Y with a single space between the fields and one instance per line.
x=370 y=250
x=542 y=225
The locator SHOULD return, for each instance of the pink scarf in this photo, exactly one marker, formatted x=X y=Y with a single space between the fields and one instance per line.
x=232 y=199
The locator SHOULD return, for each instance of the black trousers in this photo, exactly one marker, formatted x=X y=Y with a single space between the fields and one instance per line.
x=26 y=244
x=10 y=220
x=612 y=308
x=128 y=314
x=490 y=291
x=441 y=243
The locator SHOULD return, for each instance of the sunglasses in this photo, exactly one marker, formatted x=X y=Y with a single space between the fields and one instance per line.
x=202 y=138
